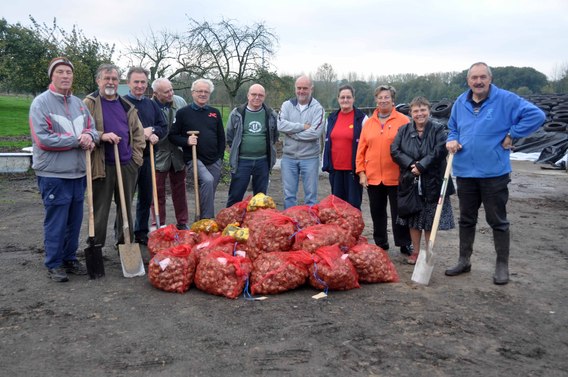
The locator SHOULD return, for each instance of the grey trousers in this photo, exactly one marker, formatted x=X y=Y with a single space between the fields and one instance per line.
x=104 y=189
x=208 y=178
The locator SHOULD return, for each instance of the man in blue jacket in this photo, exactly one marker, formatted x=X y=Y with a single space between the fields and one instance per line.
x=155 y=128
x=484 y=121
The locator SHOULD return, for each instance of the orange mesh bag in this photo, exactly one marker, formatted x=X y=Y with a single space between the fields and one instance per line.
x=373 y=264
x=316 y=236
x=269 y=231
x=333 y=210
x=222 y=275
x=332 y=270
x=279 y=271
x=233 y=214
x=225 y=244
x=173 y=269
x=304 y=215
x=169 y=236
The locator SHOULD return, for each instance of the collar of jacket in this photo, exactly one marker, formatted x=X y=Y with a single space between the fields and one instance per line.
x=295 y=101
x=53 y=90
x=196 y=107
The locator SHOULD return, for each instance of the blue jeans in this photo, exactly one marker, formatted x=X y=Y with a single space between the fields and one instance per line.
x=292 y=170
x=258 y=169
x=63 y=202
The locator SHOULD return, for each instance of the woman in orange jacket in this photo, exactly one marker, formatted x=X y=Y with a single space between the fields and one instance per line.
x=378 y=173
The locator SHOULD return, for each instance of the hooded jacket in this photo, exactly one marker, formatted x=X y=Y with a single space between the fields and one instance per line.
x=136 y=140
x=56 y=121
x=235 y=135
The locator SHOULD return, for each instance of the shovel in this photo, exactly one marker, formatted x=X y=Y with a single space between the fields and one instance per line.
x=425 y=262
x=154 y=188
x=195 y=177
x=130 y=255
x=93 y=252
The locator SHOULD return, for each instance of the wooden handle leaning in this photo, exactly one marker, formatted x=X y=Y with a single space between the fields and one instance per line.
x=90 y=195
x=125 y=226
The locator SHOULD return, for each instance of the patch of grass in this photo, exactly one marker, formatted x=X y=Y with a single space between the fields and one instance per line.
x=14 y=116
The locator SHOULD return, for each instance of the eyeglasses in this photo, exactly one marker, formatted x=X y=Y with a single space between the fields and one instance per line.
x=200 y=91
x=259 y=95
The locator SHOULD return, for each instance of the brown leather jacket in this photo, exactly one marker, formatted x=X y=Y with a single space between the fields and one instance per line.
x=137 y=140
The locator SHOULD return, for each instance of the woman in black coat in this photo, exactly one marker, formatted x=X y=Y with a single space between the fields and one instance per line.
x=419 y=148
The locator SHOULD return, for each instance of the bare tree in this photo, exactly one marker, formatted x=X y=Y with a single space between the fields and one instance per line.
x=164 y=54
x=231 y=54
x=327 y=79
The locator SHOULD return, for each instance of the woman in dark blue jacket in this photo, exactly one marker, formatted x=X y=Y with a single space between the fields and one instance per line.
x=419 y=148
x=343 y=129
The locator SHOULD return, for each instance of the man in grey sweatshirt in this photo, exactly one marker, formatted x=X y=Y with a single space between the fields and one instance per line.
x=301 y=120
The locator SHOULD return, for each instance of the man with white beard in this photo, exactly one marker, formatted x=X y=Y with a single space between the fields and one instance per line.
x=117 y=122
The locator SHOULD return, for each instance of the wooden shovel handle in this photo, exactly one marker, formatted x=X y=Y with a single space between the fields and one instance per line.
x=195 y=177
x=125 y=225
x=440 y=202
x=90 y=195
x=154 y=187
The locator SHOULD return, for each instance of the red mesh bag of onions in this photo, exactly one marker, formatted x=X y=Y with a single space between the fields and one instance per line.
x=269 y=231
x=373 y=264
x=332 y=270
x=173 y=269
x=169 y=236
x=222 y=275
x=316 y=236
x=304 y=215
x=333 y=210
x=225 y=244
x=279 y=271
x=233 y=214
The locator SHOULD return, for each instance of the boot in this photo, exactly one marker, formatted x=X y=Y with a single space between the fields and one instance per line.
x=502 y=241
x=467 y=236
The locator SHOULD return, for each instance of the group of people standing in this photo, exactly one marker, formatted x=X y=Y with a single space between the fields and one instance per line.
x=377 y=153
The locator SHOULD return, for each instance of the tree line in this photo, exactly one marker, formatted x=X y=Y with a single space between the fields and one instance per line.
x=232 y=55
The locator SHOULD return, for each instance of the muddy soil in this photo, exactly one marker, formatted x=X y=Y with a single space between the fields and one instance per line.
x=460 y=326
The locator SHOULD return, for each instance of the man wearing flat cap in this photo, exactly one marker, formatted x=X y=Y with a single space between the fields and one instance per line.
x=62 y=129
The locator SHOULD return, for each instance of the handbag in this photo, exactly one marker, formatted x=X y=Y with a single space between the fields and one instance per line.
x=409 y=201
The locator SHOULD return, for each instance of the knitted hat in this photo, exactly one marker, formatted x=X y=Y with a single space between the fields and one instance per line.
x=58 y=61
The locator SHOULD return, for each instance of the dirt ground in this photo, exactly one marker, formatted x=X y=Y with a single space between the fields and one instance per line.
x=460 y=326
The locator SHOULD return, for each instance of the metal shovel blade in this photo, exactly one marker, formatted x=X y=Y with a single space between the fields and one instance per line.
x=94 y=260
x=424 y=267
x=131 y=260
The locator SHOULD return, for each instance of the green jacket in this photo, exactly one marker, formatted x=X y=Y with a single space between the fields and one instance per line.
x=169 y=154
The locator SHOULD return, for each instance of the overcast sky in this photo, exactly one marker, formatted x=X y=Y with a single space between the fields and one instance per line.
x=377 y=37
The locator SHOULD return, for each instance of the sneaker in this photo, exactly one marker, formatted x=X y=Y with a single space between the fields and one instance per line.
x=182 y=227
x=74 y=267
x=58 y=274
x=407 y=250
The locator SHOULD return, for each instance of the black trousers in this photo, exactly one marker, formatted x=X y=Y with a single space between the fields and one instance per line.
x=493 y=193
x=379 y=195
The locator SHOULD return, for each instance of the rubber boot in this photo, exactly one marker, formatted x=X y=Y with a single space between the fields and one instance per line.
x=502 y=241
x=467 y=236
